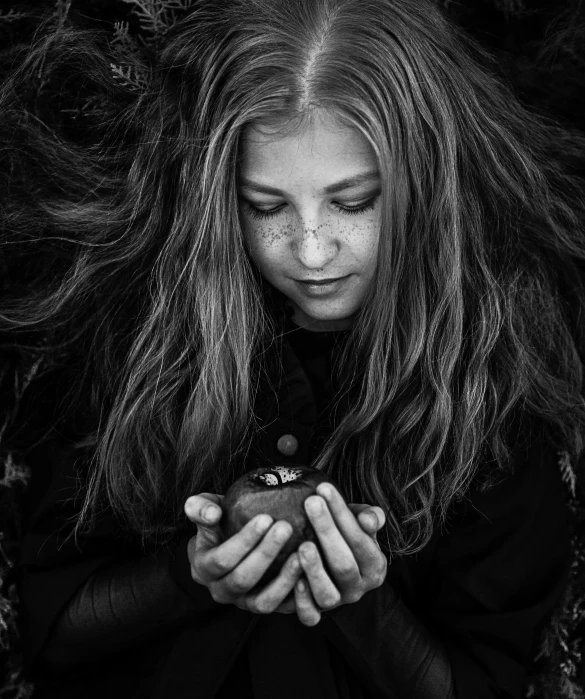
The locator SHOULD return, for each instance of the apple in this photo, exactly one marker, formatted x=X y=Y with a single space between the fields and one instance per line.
x=279 y=491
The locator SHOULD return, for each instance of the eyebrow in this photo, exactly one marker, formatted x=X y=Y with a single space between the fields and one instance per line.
x=347 y=183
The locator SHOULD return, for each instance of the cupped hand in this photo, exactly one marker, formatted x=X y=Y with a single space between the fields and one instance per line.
x=354 y=559
x=232 y=568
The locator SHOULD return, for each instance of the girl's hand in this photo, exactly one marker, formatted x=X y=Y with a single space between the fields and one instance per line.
x=354 y=558
x=231 y=568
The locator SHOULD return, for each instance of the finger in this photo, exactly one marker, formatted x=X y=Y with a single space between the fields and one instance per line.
x=307 y=611
x=251 y=569
x=377 y=513
x=273 y=596
x=363 y=547
x=207 y=538
x=324 y=591
x=338 y=554
x=221 y=560
x=288 y=606
x=204 y=508
x=371 y=519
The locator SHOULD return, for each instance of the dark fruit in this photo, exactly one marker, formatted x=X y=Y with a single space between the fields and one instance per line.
x=279 y=491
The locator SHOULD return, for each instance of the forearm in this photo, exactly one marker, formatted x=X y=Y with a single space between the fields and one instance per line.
x=392 y=648
x=120 y=606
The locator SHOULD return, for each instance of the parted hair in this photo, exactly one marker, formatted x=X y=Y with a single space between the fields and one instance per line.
x=125 y=216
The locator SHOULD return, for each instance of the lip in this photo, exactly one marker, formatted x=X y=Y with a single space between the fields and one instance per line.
x=321 y=287
x=319 y=281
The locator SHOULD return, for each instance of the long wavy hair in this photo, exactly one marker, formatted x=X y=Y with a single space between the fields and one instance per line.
x=126 y=216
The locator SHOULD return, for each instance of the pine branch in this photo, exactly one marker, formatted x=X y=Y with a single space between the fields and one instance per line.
x=567 y=472
x=155 y=17
x=149 y=14
x=122 y=42
x=12 y=16
x=129 y=76
x=510 y=7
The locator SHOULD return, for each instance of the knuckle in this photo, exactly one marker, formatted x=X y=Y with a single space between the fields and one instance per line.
x=250 y=533
x=252 y=606
x=238 y=584
x=241 y=604
x=197 y=576
x=331 y=600
x=222 y=565
x=380 y=575
x=263 y=606
x=292 y=565
x=286 y=608
x=347 y=572
x=280 y=534
x=217 y=594
x=267 y=553
x=354 y=596
x=379 y=580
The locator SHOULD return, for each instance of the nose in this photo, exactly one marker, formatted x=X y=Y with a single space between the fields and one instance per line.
x=314 y=246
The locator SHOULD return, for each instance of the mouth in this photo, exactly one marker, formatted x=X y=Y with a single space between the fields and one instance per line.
x=321 y=287
x=318 y=282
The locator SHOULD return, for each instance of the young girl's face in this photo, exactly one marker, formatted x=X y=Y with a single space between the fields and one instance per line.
x=310 y=210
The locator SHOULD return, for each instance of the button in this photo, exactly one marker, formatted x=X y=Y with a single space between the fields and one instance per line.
x=288 y=445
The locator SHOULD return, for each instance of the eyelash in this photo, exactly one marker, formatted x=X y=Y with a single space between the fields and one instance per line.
x=260 y=215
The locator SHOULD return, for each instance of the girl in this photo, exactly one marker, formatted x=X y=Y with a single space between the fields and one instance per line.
x=322 y=232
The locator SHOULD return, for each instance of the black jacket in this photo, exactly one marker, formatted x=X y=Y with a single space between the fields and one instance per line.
x=109 y=619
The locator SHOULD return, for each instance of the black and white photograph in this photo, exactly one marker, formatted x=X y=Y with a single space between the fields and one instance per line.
x=292 y=349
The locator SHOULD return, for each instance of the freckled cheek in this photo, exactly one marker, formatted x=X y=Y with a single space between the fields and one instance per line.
x=265 y=234
x=267 y=244
x=362 y=238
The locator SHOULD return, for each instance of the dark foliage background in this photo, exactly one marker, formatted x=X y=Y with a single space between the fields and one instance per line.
x=540 y=43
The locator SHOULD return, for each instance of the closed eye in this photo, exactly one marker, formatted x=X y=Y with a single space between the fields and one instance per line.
x=263 y=214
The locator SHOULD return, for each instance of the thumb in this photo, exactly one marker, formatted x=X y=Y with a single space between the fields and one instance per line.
x=370 y=517
x=205 y=511
x=204 y=508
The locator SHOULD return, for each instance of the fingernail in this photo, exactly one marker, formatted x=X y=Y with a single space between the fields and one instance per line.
x=371 y=519
x=211 y=513
x=314 y=506
x=282 y=532
x=325 y=491
x=263 y=523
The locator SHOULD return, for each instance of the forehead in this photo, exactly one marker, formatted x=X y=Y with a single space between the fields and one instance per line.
x=319 y=145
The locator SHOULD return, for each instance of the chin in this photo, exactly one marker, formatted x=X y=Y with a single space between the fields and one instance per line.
x=323 y=323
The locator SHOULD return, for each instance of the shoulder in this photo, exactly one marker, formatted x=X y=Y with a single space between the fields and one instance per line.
x=519 y=526
x=530 y=480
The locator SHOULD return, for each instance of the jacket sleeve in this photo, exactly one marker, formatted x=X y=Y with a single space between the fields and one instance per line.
x=97 y=596
x=493 y=580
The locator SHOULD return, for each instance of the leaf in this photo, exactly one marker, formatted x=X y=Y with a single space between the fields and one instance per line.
x=12 y=16
x=155 y=17
x=567 y=472
x=130 y=77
